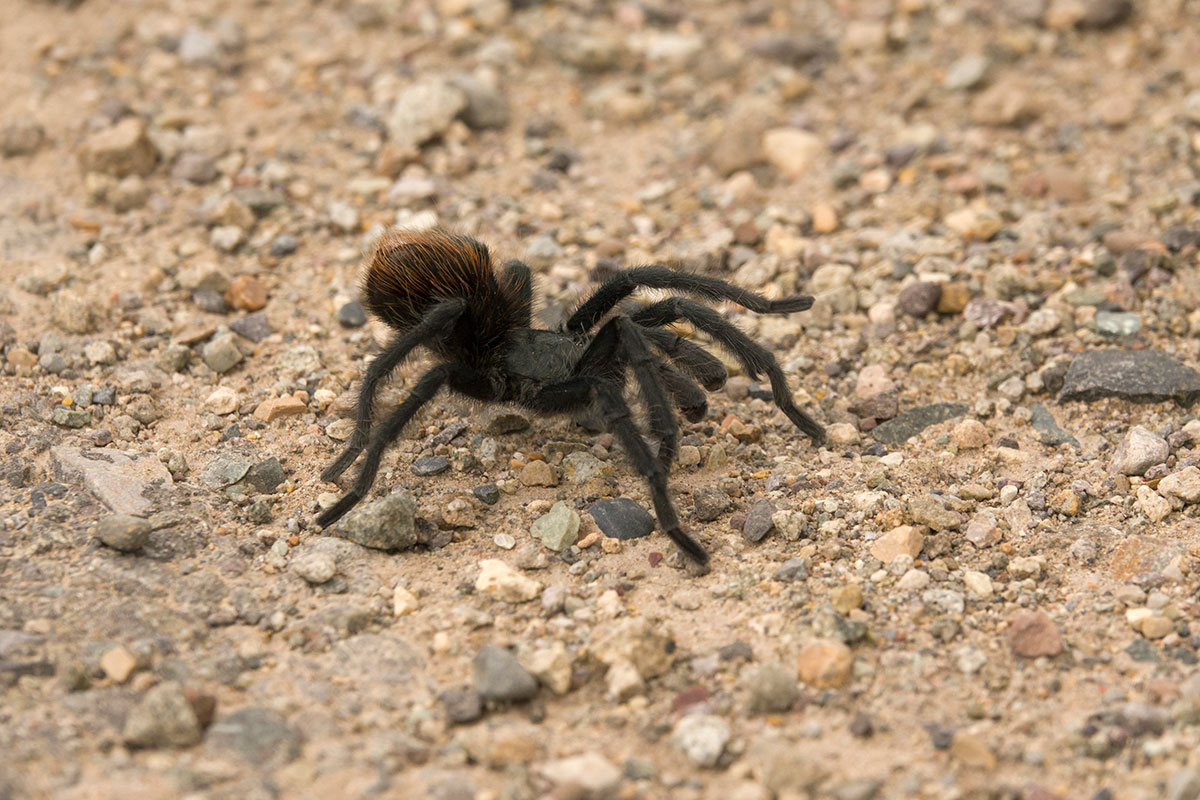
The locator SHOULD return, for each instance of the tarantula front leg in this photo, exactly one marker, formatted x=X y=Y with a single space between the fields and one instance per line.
x=439 y=319
x=621 y=340
x=689 y=357
x=582 y=391
x=753 y=356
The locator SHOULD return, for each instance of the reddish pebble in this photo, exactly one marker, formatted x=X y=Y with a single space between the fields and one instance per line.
x=1032 y=634
x=247 y=293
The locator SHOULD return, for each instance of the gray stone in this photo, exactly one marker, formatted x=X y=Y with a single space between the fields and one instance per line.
x=259 y=736
x=284 y=245
x=424 y=111
x=486 y=106
x=759 y=521
x=316 y=568
x=773 y=690
x=221 y=354
x=499 y=677
x=386 y=524
x=1184 y=784
x=928 y=510
x=1141 y=376
x=908 y=424
x=461 y=705
x=430 y=465
x=702 y=738
x=125 y=483
x=621 y=518
x=794 y=569
x=559 y=528
x=163 y=718
x=70 y=417
x=710 y=503
x=1043 y=422
x=195 y=168
x=265 y=476
x=488 y=494
x=352 y=315
x=920 y=298
x=254 y=327
x=123 y=532
x=224 y=470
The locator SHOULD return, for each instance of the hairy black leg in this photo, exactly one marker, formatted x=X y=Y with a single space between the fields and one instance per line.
x=581 y=391
x=621 y=335
x=421 y=394
x=689 y=357
x=439 y=320
x=754 y=357
x=689 y=398
x=625 y=282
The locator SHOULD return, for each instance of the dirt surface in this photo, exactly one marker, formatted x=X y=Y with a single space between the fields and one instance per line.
x=983 y=585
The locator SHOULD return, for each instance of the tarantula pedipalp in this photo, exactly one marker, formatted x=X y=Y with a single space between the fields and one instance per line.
x=439 y=290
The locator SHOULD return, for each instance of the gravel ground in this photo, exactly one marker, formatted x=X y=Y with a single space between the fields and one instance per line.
x=985 y=584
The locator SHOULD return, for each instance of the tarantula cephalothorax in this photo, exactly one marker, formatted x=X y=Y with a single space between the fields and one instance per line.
x=439 y=290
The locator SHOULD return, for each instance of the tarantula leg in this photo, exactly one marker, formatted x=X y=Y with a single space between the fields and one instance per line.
x=633 y=352
x=689 y=357
x=755 y=358
x=690 y=398
x=625 y=282
x=385 y=434
x=437 y=321
x=582 y=390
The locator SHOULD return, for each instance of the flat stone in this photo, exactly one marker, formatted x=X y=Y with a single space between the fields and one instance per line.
x=123 y=532
x=280 y=408
x=621 y=518
x=903 y=540
x=429 y=465
x=1184 y=484
x=908 y=424
x=1032 y=634
x=500 y=420
x=125 y=484
x=118 y=664
x=928 y=510
x=221 y=354
x=258 y=736
x=387 y=524
x=1141 y=376
x=162 y=718
x=224 y=470
x=499 y=676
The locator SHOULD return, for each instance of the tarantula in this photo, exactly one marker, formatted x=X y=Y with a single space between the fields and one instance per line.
x=439 y=290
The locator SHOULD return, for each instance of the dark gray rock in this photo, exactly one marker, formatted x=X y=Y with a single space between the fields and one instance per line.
x=123 y=532
x=252 y=326
x=284 y=245
x=794 y=569
x=352 y=315
x=1141 y=376
x=258 y=736
x=489 y=494
x=499 y=677
x=1043 y=422
x=387 y=524
x=430 y=465
x=266 y=475
x=918 y=299
x=904 y=426
x=710 y=504
x=758 y=521
x=461 y=705
x=621 y=518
